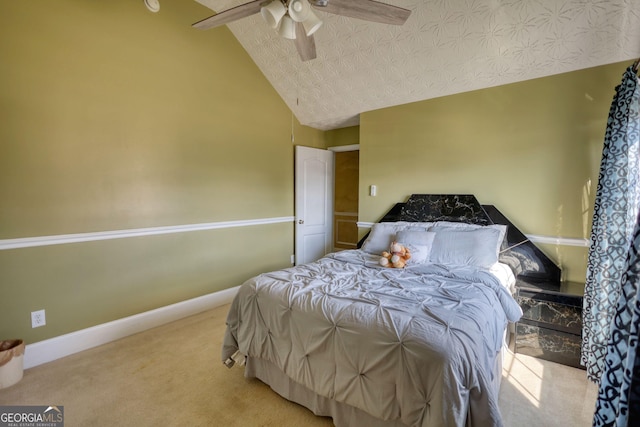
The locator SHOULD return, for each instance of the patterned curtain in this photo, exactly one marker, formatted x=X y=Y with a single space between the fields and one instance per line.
x=616 y=208
x=618 y=401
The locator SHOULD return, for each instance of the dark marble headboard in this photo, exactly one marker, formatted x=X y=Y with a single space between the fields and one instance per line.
x=444 y=207
x=525 y=259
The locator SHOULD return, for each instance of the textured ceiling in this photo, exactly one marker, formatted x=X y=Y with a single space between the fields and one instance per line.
x=445 y=47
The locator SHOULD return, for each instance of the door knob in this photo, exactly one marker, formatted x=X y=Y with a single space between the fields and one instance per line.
x=301 y=221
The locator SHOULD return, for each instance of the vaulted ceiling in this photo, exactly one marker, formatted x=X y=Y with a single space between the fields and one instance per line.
x=445 y=47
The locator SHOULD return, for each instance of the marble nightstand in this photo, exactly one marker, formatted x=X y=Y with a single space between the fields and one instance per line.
x=551 y=325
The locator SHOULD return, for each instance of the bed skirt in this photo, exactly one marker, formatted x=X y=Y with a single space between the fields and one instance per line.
x=343 y=415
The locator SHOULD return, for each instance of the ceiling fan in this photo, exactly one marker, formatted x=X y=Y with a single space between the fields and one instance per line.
x=294 y=19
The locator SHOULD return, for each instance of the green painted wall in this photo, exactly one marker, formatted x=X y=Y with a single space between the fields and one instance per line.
x=111 y=118
x=343 y=136
x=532 y=149
x=307 y=136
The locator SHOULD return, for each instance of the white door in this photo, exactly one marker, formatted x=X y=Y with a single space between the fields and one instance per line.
x=314 y=203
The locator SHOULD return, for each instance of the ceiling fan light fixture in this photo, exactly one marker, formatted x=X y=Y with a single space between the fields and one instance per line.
x=312 y=23
x=152 y=5
x=299 y=10
x=273 y=13
x=287 y=28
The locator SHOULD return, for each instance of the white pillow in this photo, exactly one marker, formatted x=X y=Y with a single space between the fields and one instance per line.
x=478 y=247
x=453 y=224
x=462 y=226
x=383 y=233
x=418 y=242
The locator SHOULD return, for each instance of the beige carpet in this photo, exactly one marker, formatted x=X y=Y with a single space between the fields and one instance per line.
x=172 y=376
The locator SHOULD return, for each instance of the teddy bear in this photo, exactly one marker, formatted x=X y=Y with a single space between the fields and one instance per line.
x=397 y=256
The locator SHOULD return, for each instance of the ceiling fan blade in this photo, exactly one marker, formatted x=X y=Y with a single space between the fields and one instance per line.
x=367 y=10
x=230 y=15
x=305 y=45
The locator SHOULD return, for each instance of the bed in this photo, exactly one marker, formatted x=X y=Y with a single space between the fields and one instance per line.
x=373 y=346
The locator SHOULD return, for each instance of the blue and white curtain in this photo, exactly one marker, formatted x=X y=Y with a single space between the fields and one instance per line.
x=611 y=315
x=618 y=401
x=616 y=209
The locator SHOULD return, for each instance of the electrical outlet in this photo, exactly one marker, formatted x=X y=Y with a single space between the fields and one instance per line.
x=38 y=319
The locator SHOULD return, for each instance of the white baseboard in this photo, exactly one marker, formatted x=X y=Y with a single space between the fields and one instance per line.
x=48 y=350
